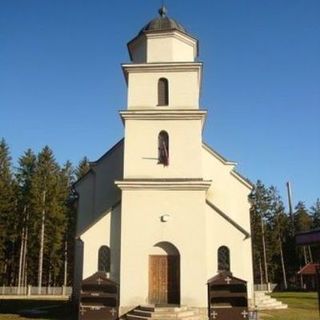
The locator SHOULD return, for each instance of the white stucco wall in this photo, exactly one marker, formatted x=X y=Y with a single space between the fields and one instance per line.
x=95 y=237
x=105 y=231
x=227 y=192
x=170 y=46
x=142 y=229
x=141 y=145
x=85 y=212
x=184 y=88
x=230 y=195
x=221 y=233
x=97 y=191
x=139 y=50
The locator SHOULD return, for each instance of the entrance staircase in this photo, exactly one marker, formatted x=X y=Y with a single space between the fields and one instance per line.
x=263 y=301
x=151 y=312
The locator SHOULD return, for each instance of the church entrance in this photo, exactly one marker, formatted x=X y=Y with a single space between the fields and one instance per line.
x=164 y=278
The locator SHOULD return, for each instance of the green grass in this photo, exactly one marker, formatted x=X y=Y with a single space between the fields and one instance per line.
x=301 y=306
x=55 y=310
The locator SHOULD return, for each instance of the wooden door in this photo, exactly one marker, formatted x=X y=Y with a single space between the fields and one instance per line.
x=164 y=279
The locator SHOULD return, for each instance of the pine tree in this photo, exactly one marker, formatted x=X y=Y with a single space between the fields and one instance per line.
x=68 y=178
x=82 y=168
x=279 y=223
x=302 y=222
x=315 y=214
x=47 y=213
x=260 y=214
x=7 y=208
x=302 y=218
x=24 y=176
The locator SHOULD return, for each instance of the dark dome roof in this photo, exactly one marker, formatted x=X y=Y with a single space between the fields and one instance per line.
x=162 y=23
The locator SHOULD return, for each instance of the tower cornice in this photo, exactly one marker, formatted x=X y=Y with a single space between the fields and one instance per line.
x=161 y=67
x=163 y=114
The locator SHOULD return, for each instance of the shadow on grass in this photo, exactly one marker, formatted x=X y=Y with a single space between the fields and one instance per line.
x=41 y=309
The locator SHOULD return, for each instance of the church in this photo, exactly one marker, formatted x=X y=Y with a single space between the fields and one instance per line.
x=162 y=212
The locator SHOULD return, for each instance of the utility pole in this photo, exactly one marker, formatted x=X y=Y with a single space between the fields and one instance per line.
x=290 y=205
x=41 y=242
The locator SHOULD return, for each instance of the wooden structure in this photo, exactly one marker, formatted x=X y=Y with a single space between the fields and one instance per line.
x=308 y=276
x=99 y=298
x=227 y=297
x=312 y=237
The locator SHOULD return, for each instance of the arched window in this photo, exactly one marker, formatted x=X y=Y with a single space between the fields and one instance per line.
x=223 y=259
x=163 y=92
x=163 y=148
x=104 y=259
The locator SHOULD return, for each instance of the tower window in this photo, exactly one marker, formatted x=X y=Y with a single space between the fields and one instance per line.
x=163 y=148
x=104 y=259
x=223 y=259
x=163 y=92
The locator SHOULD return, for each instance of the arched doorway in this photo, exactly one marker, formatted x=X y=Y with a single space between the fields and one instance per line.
x=164 y=274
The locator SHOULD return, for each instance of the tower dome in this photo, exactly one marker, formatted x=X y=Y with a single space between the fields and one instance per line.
x=163 y=39
x=162 y=23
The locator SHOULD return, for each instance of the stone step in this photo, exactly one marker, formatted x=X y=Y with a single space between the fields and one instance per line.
x=277 y=307
x=265 y=302
x=131 y=316
x=154 y=308
x=262 y=293
x=148 y=312
x=161 y=314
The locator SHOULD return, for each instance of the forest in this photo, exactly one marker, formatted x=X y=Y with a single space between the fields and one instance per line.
x=38 y=219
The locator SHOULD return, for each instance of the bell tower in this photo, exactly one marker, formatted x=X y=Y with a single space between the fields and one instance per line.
x=164 y=81
x=163 y=188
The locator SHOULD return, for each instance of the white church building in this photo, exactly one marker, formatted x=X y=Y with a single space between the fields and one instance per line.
x=161 y=211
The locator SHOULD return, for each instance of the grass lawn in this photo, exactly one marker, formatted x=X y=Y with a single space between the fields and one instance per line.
x=55 y=310
x=301 y=306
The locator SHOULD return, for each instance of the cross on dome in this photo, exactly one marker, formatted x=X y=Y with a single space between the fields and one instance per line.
x=163 y=11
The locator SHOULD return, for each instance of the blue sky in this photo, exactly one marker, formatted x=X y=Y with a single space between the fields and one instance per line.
x=61 y=83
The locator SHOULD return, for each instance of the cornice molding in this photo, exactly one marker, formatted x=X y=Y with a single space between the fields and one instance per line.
x=189 y=185
x=161 y=67
x=177 y=114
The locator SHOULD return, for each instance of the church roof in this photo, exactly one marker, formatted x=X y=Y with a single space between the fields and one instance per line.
x=162 y=23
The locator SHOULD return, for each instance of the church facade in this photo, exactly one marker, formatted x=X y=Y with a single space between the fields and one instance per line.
x=162 y=212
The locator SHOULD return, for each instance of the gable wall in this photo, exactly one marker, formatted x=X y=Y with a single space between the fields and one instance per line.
x=105 y=231
x=221 y=233
x=226 y=191
x=231 y=197
x=97 y=191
